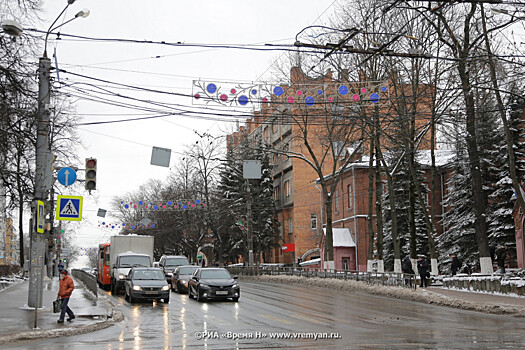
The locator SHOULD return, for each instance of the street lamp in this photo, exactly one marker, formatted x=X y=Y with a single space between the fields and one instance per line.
x=43 y=173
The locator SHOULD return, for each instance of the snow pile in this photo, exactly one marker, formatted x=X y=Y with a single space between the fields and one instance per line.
x=418 y=295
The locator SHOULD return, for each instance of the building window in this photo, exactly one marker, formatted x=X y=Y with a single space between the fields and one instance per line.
x=338 y=147
x=338 y=112
x=275 y=126
x=277 y=193
x=287 y=188
x=265 y=132
x=290 y=225
x=275 y=158
x=286 y=149
x=280 y=231
x=336 y=199
x=313 y=221
x=350 y=196
x=346 y=263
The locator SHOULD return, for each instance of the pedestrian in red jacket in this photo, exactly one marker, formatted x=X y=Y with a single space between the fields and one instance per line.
x=64 y=293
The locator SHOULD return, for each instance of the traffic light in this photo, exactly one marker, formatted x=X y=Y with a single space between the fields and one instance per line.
x=91 y=174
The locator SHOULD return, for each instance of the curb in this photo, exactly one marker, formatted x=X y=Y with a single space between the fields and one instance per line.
x=116 y=317
x=418 y=295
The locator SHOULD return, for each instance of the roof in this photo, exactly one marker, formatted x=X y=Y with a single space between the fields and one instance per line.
x=443 y=157
x=341 y=237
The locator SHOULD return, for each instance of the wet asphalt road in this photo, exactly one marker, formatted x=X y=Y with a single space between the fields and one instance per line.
x=356 y=321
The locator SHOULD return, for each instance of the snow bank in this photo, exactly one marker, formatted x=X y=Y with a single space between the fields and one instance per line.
x=402 y=293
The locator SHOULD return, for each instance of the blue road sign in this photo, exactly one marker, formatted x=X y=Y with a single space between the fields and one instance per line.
x=69 y=208
x=67 y=176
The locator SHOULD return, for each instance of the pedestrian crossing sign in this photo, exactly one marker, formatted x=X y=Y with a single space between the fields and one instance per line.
x=69 y=208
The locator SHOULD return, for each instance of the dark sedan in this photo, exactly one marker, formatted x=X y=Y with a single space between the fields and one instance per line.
x=181 y=277
x=213 y=283
x=146 y=283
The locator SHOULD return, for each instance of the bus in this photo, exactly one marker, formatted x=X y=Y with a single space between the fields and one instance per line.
x=103 y=275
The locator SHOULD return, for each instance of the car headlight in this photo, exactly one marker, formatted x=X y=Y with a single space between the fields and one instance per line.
x=165 y=288
x=235 y=285
x=137 y=288
x=204 y=286
x=169 y=274
x=121 y=276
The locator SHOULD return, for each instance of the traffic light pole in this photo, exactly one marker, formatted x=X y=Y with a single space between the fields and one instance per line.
x=42 y=179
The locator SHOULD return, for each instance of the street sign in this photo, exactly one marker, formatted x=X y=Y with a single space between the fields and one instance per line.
x=69 y=208
x=67 y=176
x=40 y=217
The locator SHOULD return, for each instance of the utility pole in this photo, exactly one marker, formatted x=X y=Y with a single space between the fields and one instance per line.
x=249 y=231
x=42 y=180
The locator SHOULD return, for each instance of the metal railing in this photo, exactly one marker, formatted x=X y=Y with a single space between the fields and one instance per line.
x=89 y=280
x=376 y=278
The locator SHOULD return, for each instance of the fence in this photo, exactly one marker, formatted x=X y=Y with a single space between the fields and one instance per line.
x=380 y=278
x=89 y=280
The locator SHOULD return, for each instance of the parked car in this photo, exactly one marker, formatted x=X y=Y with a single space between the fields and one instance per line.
x=168 y=263
x=181 y=277
x=213 y=283
x=146 y=283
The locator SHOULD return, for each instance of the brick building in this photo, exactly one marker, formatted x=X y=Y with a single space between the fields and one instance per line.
x=11 y=252
x=309 y=104
x=350 y=207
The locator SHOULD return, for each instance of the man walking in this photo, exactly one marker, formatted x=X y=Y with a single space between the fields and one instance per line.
x=422 y=267
x=64 y=293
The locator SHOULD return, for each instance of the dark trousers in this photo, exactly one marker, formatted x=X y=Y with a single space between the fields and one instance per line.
x=65 y=309
x=424 y=281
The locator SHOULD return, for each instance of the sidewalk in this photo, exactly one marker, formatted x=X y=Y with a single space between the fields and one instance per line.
x=17 y=319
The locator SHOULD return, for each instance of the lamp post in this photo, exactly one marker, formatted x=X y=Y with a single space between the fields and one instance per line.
x=43 y=173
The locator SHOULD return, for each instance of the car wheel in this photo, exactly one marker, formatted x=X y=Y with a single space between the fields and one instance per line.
x=131 y=299
x=112 y=287
x=166 y=300
x=190 y=295
x=199 y=297
x=177 y=287
x=235 y=299
x=126 y=295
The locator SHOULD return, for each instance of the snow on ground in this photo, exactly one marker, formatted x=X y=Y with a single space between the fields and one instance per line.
x=418 y=295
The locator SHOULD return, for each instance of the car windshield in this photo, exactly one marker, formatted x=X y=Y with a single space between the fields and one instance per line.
x=148 y=275
x=215 y=274
x=176 y=262
x=187 y=270
x=135 y=261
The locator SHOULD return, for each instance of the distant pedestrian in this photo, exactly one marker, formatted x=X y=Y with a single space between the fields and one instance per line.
x=406 y=267
x=455 y=264
x=60 y=266
x=501 y=254
x=422 y=267
x=493 y=252
x=64 y=293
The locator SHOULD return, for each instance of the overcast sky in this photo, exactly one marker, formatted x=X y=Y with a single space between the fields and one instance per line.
x=123 y=149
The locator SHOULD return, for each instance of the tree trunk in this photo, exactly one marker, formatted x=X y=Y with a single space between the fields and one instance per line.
x=393 y=213
x=479 y=197
x=370 y=217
